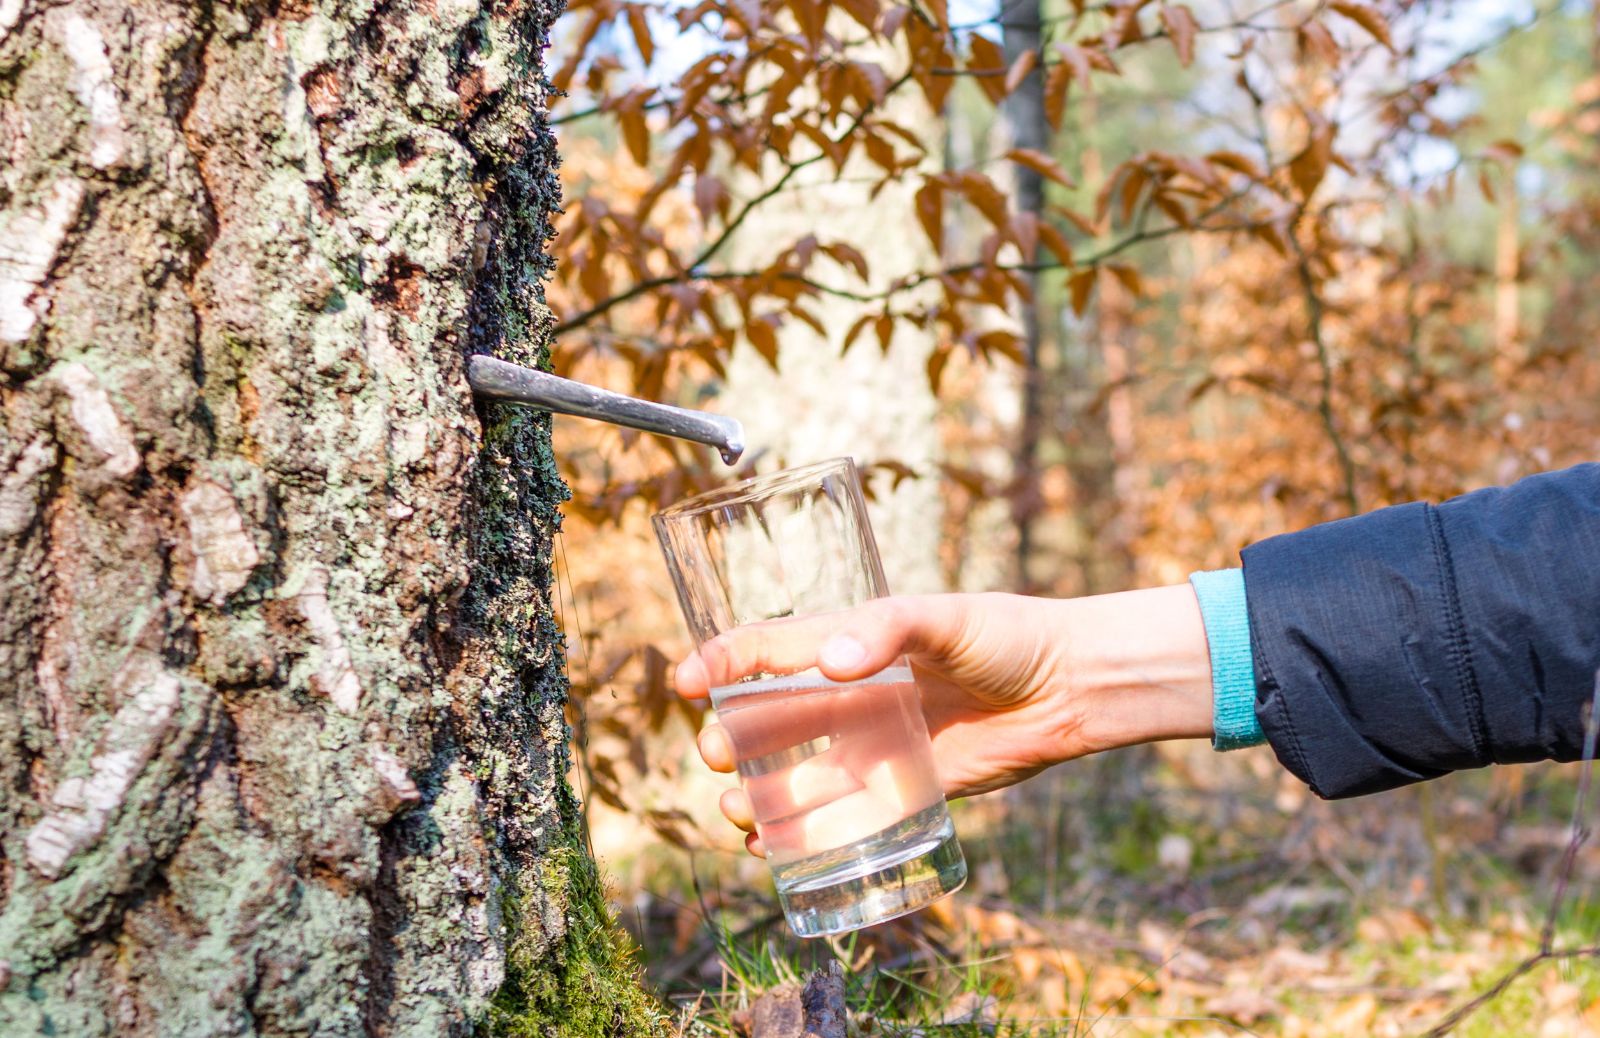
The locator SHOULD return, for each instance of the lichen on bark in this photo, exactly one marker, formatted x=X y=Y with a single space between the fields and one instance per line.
x=282 y=745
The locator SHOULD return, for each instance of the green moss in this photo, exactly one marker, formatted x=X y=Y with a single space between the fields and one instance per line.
x=587 y=982
x=594 y=990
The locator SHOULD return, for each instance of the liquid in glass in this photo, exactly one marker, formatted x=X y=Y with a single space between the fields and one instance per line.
x=846 y=796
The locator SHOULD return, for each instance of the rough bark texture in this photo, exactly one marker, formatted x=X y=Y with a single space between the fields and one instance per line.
x=281 y=736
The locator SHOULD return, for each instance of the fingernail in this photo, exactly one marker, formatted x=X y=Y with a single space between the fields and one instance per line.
x=842 y=652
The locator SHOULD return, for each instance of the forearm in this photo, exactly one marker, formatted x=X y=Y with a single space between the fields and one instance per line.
x=1138 y=666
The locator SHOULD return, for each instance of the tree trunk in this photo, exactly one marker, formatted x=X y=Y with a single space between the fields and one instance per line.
x=1022 y=31
x=281 y=735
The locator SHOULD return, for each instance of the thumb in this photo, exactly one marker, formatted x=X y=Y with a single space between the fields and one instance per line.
x=875 y=635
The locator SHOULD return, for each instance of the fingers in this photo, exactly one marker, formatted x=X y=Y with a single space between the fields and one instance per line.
x=736 y=808
x=716 y=749
x=773 y=647
x=846 y=645
x=691 y=678
x=879 y=633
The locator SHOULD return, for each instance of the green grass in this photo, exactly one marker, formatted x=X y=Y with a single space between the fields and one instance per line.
x=1382 y=943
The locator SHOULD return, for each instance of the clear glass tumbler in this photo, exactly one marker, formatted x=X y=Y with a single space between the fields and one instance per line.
x=841 y=776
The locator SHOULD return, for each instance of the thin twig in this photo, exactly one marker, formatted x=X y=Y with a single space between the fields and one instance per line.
x=1547 y=950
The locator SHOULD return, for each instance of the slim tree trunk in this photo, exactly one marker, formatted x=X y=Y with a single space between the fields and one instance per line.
x=281 y=735
x=1022 y=31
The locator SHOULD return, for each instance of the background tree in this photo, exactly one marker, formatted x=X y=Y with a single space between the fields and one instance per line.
x=281 y=736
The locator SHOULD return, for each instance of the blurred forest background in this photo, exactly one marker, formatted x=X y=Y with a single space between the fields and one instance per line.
x=1098 y=293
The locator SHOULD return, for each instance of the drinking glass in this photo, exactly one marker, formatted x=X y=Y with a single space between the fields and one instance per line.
x=841 y=776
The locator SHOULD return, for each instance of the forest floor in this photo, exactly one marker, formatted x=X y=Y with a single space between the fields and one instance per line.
x=1183 y=893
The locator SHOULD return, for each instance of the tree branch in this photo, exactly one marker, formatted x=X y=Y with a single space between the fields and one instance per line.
x=710 y=251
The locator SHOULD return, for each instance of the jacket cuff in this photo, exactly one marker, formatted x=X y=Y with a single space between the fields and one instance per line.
x=1233 y=674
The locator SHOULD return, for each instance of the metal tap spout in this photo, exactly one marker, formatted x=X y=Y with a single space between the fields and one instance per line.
x=498 y=380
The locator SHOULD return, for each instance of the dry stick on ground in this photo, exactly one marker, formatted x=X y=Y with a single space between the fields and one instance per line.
x=1548 y=952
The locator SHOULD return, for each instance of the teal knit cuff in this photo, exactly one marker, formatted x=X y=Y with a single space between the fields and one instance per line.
x=1233 y=669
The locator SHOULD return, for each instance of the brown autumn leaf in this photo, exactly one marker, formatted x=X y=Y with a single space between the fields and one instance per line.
x=893 y=20
x=1041 y=164
x=1273 y=234
x=1085 y=225
x=1236 y=162
x=892 y=127
x=988 y=62
x=1242 y=1005
x=1081 y=285
x=1125 y=27
x=873 y=80
x=764 y=338
x=673 y=825
x=935 y=86
x=709 y=195
x=812 y=16
x=1182 y=27
x=930 y=212
x=1503 y=151
x=855 y=331
x=1309 y=167
x=1026 y=62
x=1366 y=17
x=1007 y=344
x=1077 y=59
x=984 y=194
x=865 y=13
x=1133 y=185
x=1052 y=238
x=1173 y=208
x=1057 y=81
x=809 y=319
x=848 y=256
x=880 y=152
x=1316 y=43
x=937 y=360
x=635 y=131
x=592 y=277
x=641 y=33
x=1128 y=276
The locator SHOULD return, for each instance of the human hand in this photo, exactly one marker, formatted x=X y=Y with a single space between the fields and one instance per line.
x=1010 y=685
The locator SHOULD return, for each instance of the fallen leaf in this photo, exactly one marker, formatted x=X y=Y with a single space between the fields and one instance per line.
x=1353 y=1017
x=1242 y=1006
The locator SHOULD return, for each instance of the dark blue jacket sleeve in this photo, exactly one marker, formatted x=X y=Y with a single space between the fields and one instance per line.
x=1420 y=639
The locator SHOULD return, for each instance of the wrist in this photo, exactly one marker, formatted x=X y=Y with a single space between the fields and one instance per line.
x=1137 y=667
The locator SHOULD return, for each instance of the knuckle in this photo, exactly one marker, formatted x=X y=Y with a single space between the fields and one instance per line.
x=719 y=658
x=887 y=610
x=887 y=619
